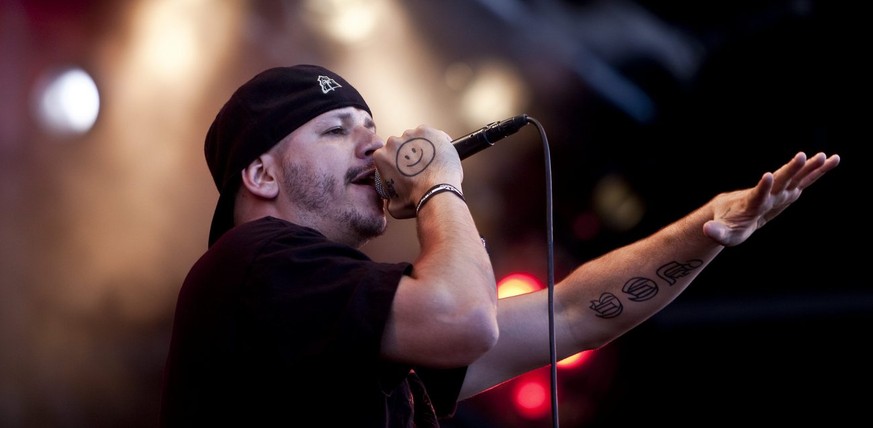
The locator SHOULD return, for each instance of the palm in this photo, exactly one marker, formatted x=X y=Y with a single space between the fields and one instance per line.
x=738 y=214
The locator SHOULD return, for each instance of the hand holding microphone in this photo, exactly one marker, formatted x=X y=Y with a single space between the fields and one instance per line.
x=416 y=152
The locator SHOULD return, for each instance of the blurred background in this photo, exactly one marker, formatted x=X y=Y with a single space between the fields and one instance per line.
x=649 y=109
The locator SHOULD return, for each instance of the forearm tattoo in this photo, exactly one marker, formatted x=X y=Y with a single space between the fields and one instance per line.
x=414 y=156
x=639 y=289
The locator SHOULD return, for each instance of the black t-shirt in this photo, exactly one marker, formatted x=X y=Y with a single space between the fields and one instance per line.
x=276 y=326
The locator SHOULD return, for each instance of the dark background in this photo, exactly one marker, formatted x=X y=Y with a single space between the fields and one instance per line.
x=775 y=331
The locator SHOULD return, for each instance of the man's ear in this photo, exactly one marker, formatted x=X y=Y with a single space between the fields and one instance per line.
x=260 y=177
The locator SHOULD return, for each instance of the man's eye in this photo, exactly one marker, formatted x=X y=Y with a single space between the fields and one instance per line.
x=336 y=131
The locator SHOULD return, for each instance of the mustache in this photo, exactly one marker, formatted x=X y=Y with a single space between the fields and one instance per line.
x=354 y=174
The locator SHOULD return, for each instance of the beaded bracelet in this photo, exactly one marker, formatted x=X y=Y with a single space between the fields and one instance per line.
x=439 y=188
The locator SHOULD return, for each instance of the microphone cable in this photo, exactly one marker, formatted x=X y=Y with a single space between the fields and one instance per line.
x=550 y=282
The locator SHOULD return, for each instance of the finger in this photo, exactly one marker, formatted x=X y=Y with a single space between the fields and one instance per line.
x=813 y=175
x=784 y=175
x=811 y=165
x=762 y=190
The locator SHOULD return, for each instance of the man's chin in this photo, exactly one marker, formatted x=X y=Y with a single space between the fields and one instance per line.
x=373 y=227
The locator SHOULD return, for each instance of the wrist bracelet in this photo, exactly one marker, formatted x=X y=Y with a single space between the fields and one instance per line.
x=439 y=188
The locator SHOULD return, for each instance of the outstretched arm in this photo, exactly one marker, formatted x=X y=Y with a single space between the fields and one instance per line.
x=605 y=297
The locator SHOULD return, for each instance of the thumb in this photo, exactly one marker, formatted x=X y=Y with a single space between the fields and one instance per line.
x=717 y=231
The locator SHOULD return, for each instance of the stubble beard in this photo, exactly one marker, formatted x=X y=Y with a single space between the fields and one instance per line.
x=315 y=193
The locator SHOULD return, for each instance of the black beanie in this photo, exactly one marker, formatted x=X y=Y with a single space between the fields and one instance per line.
x=261 y=113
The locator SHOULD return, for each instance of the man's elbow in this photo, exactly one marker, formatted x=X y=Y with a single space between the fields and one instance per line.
x=475 y=336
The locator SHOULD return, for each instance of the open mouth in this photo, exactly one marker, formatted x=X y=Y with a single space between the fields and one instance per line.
x=365 y=178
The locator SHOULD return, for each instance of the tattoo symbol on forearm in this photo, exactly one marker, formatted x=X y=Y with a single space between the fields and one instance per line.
x=670 y=272
x=640 y=289
x=414 y=156
x=607 y=307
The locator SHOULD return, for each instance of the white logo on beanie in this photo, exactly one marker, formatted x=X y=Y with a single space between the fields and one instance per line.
x=327 y=84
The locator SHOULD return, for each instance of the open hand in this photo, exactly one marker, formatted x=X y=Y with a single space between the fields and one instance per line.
x=738 y=214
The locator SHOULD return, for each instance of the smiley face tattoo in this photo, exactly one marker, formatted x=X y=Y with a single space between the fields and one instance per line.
x=414 y=156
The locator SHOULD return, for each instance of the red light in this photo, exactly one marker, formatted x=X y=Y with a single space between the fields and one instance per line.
x=517 y=283
x=531 y=398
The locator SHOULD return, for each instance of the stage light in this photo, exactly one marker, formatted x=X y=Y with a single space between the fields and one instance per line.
x=530 y=397
x=517 y=283
x=494 y=90
x=347 y=21
x=66 y=101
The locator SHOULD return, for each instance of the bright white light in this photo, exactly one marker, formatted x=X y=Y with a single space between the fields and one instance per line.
x=68 y=102
x=494 y=92
x=347 y=21
x=168 y=36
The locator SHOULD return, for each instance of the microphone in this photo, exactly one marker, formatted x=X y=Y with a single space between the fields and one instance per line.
x=476 y=141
